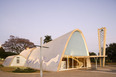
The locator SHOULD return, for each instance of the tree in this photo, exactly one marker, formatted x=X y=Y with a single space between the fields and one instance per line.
x=2 y=51
x=92 y=54
x=4 y=54
x=16 y=44
x=111 y=52
x=47 y=39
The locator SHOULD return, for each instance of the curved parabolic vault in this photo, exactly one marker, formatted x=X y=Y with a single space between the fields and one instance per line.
x=75 y=45
x=72 y=43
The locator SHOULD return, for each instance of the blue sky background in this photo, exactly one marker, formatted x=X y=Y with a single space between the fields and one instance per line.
x=33 y=19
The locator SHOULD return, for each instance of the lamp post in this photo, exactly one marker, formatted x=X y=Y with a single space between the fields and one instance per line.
x=41 y=73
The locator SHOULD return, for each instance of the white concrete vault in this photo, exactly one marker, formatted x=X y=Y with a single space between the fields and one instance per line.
x=75 y=48
x=16 y=60
x=65 y=51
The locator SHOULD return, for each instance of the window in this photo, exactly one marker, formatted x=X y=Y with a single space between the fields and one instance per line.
x=18 y=61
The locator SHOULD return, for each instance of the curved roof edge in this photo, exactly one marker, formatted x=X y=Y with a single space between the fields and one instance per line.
x=14 y=57
x=68 y=42
x=27 y=54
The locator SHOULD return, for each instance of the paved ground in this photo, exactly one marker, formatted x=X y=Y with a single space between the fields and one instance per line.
x=108 y=71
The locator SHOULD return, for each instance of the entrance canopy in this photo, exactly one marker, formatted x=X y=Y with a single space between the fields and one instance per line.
x=86 y=56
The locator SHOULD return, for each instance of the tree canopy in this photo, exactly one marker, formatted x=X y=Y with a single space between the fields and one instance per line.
x=16 y=44
x=2 y=51
x=92 y=54
x=47 y=39
x=111 y=52
x=4 y=54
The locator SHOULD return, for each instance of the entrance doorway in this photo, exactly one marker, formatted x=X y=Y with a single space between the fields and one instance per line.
x=73 y=62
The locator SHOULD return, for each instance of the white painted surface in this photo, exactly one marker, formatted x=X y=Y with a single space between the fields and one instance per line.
x=22 y=61
x=8 y=61
x=63 y=65
x=51 y=56
x=25 y=53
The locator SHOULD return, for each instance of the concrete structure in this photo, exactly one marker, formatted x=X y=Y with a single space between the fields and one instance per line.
x=62 y=53
x=102 y=45
x=66 y=52
x=16 y=60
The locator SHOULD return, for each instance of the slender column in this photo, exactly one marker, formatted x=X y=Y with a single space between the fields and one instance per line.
x=41 y=72
x=104 y=50
x=84 y=62
x=72 y=62
x=103 y=61
x=77 y=63
x=99 y=45
x=67 y=62
x=96 y=62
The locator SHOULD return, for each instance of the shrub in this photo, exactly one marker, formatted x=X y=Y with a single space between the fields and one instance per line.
x=27 y=70
x=1 y=65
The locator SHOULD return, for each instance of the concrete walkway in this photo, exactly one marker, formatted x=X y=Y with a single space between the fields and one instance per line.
x=101 y=72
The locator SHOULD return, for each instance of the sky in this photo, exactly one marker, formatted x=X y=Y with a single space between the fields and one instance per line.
x=32 y=19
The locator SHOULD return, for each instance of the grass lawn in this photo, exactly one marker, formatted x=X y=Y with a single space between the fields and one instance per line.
x=111 y=63
x=27 y=70
x=18 y=69
x=1 y=61
x=7 y=69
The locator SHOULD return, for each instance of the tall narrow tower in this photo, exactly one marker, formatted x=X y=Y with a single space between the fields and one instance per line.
x=102 y=45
